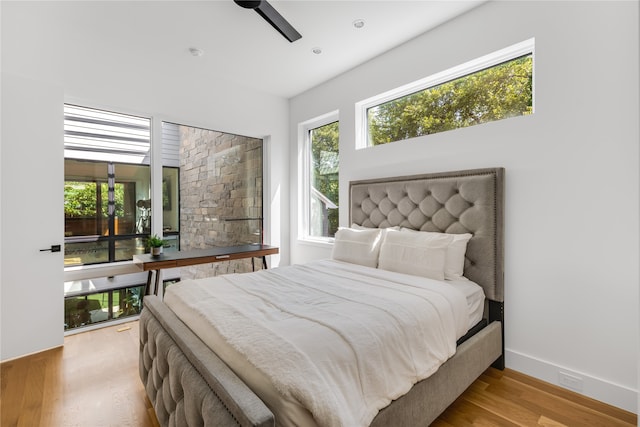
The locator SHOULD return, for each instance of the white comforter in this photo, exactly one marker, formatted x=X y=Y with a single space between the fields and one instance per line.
x=341 y=340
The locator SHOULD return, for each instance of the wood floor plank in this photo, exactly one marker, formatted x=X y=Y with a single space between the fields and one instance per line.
x=53 y=389
x=11 y=392
x=511 y=409
x=575 y=398
x=33 y=396
x=548 y=422
x=465 y=413
x=559 y=405
x=538 y=403
x=93 y=381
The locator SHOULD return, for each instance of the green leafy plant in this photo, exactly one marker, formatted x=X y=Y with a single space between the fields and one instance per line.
x=155 y=241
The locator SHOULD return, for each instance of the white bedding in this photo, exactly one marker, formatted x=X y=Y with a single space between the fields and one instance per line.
x=475 y=298
x=346 y=339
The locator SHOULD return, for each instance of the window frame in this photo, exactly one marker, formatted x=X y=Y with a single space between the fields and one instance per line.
x=492 y=59
x=304 y=176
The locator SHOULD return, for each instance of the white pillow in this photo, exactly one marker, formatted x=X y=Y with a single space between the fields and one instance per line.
x=362 y=227
x=357 y=246
x=454 y=263
x=418 y=254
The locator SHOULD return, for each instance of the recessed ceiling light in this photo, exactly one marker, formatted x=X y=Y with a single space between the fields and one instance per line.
x=358 y=23
x=316 y=50
x=196 y=52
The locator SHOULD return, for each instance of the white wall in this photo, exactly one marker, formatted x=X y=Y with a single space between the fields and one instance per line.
x=572 y=182
x=45 y=43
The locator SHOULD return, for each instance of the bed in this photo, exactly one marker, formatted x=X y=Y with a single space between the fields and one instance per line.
x=188 y=384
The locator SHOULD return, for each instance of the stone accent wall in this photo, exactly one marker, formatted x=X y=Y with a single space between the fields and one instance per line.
x=220 y=188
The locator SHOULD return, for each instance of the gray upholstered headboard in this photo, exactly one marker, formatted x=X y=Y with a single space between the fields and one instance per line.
x=469 y=201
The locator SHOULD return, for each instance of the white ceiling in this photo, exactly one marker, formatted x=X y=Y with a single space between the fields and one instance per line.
x=290 y=68
x=242 y=47
x=143 y=37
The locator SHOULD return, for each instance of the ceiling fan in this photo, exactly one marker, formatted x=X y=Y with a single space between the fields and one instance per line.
x=272 y=16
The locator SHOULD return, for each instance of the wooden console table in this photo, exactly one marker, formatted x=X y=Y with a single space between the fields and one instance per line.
x=155 y=264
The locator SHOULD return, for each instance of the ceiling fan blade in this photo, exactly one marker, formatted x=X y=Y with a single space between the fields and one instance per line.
x=272 y=16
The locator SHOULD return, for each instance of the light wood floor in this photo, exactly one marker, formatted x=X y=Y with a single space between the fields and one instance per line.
x=93 y=381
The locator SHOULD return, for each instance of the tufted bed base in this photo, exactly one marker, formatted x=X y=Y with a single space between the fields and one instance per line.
x=189 y=385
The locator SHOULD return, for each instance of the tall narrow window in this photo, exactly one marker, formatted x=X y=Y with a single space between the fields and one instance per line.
x=321 y=189
x=107 y=185
x=170 y=208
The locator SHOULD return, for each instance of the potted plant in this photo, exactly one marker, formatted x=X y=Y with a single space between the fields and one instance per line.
x=156 y=244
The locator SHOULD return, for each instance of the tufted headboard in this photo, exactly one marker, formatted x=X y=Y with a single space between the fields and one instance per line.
x=468 y=201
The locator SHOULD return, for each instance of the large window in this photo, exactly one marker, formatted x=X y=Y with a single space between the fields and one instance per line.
x=107 y=186
x=219 y=183
x=321 y=178
x=106 y=210
x=495 y=87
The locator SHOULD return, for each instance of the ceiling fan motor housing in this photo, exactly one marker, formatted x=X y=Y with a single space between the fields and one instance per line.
x=248 y=4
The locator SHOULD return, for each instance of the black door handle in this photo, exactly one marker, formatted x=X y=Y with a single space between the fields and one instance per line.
x=53 y=248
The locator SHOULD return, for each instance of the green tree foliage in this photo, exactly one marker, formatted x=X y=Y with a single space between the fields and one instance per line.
x=81 y=199
x=496 y=93
x=324 y=158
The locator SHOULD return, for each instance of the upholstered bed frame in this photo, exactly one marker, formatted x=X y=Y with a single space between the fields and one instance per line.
x=189 y=385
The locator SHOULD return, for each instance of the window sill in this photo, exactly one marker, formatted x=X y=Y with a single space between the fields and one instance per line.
x=83 y=272
x=319 y=243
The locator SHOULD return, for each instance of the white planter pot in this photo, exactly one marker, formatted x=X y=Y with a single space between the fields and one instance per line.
x=156 y=251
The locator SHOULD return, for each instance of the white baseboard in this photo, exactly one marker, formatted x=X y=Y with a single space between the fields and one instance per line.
x=605 y=391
